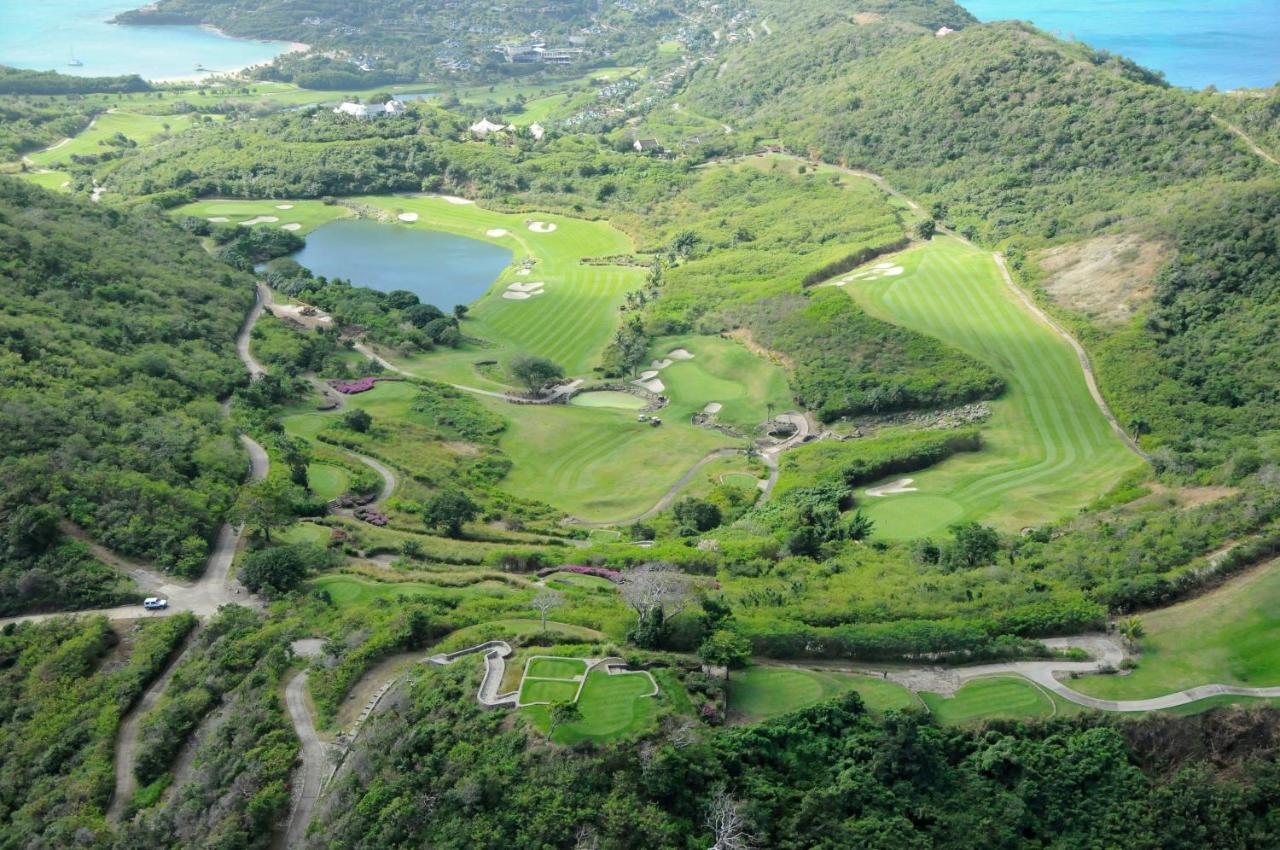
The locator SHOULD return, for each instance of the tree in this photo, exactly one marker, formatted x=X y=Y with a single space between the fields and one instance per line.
x=411 y=548
x=975 y=545
x=296 y=454
x=358 y=420
x=858 y=526
x=265 y=505
x=460 y=311
x=725 y=648
x=535 y=372
x=274 y=571
x=697 y=514
x=657 y=592
x=448 y=510
x=544 y=602
x=562 y=713
x=926 y=229
x=1131 y=629
x=727 y=823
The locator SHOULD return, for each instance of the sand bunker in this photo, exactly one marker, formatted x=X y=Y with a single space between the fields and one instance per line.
x=646 y=375
x=541 y=227
x=454 y=199
x=680 y=354
x=302 y=314
x=523 y=272
x=902 y=485
x=526 y=287
x=660 y=364
x=218 y=219
x=262 y=219
x=883 y=266
x=712 y=408
x=874 y=273
x=496 y=233
x=654 y=386
x=408 y=216
x=293 y=225
x=514 y=295
x=284 y=206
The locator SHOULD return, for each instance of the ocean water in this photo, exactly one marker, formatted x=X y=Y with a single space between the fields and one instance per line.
x=1227 y=43
x=443 y=269
x=45 y=36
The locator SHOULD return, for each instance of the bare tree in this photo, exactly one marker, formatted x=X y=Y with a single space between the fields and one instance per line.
x=545 y=601
x=657 y=591
x=727 y=823
x=587 y=839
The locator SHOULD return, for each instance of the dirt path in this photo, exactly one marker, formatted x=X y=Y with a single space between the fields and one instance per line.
x=131 y=729
x=1248 y=140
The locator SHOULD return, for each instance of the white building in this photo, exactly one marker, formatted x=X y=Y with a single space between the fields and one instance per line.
x=537 y=131
x=944 y=31
x=370 y=110
x=484 y=127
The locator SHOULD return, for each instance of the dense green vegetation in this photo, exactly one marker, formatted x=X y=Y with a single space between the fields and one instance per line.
x=22 y=81
x=65 y=686
x=118 y=332
x=30 y=123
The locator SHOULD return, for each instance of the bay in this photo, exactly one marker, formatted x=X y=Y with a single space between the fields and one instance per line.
x=1227 y=43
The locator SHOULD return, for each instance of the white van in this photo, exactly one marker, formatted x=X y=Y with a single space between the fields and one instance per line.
x=154 y=603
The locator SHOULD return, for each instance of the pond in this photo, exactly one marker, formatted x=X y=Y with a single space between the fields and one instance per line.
x=440 y=268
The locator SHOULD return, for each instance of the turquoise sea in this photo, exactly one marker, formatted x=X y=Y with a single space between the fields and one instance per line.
x=47 y=35
x=1227 y=43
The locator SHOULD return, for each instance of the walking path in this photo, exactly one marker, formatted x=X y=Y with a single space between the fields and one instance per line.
x=1248 y=140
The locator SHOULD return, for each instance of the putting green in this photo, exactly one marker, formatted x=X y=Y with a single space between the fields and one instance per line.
x=1048 y=450
x=608 y=398
x=556 y=668
x=611 y=707
x=547 y=690
x=986 y=699
x=327 y=481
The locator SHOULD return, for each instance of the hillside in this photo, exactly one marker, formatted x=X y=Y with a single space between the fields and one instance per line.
x=118 y=341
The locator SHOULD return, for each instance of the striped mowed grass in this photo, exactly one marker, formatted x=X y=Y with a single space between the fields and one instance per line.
x=1048 y=449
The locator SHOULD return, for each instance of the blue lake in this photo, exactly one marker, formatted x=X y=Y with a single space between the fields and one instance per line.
x=440 y=268
x=45 y=36
x=1227 y=43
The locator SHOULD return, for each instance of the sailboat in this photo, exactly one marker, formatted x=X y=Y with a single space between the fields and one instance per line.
x=74 y=62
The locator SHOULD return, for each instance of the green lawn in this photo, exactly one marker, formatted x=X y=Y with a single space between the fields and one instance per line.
x=1226 y=637
x=760 y=692
x=556 y=668
x=579 y=580
x=349 y=591
x=612 y=707
x=307 y=214
x=1048 y=449
x=51 y=180
x=327 y=481
x=986 y=699
x=547 y=690
x=608 y=398
x=135 y=126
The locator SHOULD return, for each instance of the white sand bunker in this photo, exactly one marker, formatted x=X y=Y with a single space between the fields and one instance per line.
x=874 y=273
x=902 y=485
x=712 y=408
x=496 y=233
x=524 y=272
x=523 y=291
x=302 y=314
x=262 y=219
x=542 y=226
x=454 y=199
x=293 y=225
x=408 y=216
x=654 y=386
x=650 y=373
x=680 y=354
x=284 y=206
x=218 y=219
x=660 y=364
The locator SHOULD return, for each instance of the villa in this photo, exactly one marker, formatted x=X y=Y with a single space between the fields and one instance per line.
x=370 y=110
x=537 y=131
x=647 y=145
x=484 y=127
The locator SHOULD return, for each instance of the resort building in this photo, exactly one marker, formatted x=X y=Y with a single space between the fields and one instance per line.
x=370 y=110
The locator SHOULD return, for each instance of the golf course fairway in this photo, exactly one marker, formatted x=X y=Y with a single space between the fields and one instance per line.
x=1047 y=448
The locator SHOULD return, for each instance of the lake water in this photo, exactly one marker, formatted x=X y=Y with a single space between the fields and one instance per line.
x=1226 y=43
x=44 y=36
x=440 y=268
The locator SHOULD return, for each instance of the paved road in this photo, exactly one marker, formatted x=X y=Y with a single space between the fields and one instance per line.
x=261 y=300
x=389 y=479
x=308 y=779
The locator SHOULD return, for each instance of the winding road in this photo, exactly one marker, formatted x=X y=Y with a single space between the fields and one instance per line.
x=309 y=778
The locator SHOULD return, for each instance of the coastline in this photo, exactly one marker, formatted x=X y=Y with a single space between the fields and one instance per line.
x=293 y=47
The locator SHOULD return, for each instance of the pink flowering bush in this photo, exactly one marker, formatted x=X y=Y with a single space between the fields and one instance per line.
x=601 y=572
x=362 y=385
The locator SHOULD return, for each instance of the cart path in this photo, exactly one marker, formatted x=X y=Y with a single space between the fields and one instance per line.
x=309 y=777
x=131 y=729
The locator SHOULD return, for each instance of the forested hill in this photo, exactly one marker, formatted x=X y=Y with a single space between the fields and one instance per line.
x=116 y=340
x=1007 y=129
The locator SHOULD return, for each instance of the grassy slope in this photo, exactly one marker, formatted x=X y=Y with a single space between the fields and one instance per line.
x=758 y=693
x=138 y=127
x=986 y=699
x=1048 y=448
x=1225 y=637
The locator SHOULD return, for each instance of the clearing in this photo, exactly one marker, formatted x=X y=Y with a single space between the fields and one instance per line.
x=1048 y=449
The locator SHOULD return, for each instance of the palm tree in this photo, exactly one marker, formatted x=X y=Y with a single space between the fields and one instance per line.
x=1131 y=629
